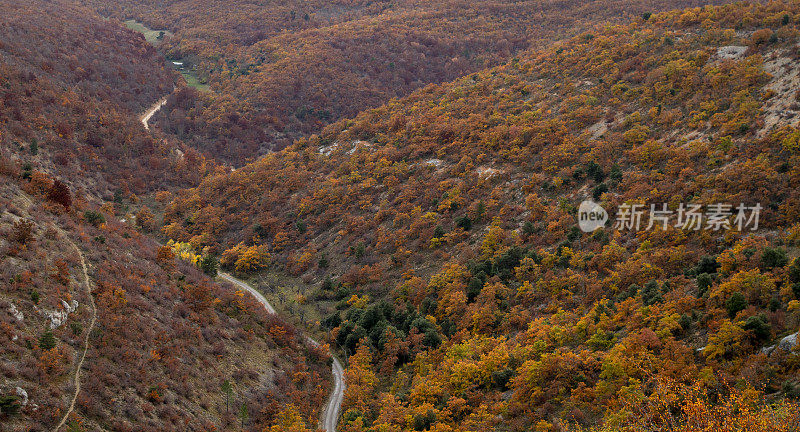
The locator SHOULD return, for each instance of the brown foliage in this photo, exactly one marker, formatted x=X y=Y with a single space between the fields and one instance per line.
x=22 y=232
x=59 y=193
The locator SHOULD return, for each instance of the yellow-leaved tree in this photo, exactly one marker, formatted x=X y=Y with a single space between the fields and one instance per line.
x=289 y=420
x=252 y=259
x=360 y=379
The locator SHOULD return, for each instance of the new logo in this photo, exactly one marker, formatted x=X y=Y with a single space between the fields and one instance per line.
x=591 y=216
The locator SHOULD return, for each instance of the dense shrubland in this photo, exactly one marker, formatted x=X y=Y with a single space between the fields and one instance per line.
x=166 y=336
x=284 y=69
x=73 y=86
x=73 y=157
x=443 y=225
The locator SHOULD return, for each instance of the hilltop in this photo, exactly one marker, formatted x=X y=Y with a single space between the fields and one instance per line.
x=280 y=70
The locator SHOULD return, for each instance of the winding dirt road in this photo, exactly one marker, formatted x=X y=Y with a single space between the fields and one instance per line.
x=330 y=416
x=145 y=118
x=331 y=413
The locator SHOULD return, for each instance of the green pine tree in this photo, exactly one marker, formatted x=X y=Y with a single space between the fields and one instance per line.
x=47 y=341
x=227 y=390
x=243 y=414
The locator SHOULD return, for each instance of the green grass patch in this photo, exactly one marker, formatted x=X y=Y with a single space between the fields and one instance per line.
x=154 y=37
x=283 y=292
x=192 y=80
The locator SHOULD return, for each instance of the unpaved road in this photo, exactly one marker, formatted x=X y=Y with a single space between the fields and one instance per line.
x=261 y=299
x=330 y=416
x=144 y=118
x=331 y=413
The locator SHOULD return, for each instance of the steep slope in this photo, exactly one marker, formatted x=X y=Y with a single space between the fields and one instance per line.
x=165 y=337
x=281 y=70
x=71 y=46
x=457 y=205
x=154 y=337
x=73 y=85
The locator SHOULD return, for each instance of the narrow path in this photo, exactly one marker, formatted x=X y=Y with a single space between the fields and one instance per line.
x=261 y=299
x=88 y=284
x=145 y=118
x=77 y=380
x=330 y=416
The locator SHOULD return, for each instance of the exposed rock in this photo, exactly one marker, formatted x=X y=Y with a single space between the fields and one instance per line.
x=598 y=129
x=15 y=313
x=23 y=394
x=789 y=342
x=731 y=52
x=434 y=162
x=327 y=150
x=58 y=318
x=487 y=172
x=356 y=144
x=781 y=108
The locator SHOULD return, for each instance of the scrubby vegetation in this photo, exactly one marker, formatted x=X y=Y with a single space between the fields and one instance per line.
x=165 y=338
x=73 y=158
x=467 y=297
x=436 y=234
x=282 y=69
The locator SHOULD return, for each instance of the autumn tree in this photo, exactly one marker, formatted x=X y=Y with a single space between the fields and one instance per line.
x=144 y=219
x=165 y=257
x=360 y=379
x=22 y=232
x=59 y=193
x=289 y=420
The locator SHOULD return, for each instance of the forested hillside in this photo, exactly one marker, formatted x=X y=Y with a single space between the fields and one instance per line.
x=76 y=275
x=165 y=339
x=281 y=70
x=73 y=87
x=444 y=226
x=69 y=45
